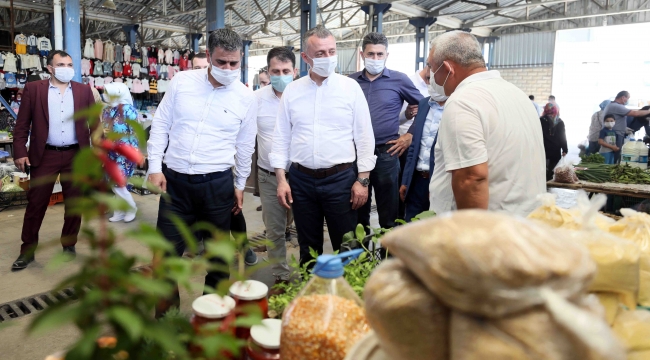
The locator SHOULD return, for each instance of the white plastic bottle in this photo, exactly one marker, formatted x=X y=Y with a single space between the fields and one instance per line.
x=642 y=153
x=629 y=153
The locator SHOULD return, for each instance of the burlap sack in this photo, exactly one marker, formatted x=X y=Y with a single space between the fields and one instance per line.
x=410 y=323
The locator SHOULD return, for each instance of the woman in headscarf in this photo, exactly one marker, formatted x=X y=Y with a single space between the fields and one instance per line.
x=597 y=120
x=120 y=109
x=554 y=137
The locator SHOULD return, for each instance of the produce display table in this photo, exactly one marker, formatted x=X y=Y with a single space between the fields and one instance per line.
x=7 y=145
x=633 y=190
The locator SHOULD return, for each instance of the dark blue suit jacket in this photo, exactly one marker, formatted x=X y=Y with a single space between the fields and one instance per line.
x=414 y=149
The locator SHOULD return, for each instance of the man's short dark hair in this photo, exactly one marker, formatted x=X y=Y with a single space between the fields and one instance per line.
x=319 y=31
x=622 y=94
x=532 y=97
x=610 y=116
x=551 y=97
x=61 y=53
x=374 y=38
x=201 y=55
x=281 y=53
x=264 y=70
x=225 y=39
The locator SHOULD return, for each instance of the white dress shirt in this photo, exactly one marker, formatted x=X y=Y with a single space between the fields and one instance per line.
x=61 y=110
x=320 y=127
x=488 y=119
x=431 y=125
x=404 y=123
x=208 y=129
x=267 y=112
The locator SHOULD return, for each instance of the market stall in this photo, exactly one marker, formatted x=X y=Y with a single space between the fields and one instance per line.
x=608 y=188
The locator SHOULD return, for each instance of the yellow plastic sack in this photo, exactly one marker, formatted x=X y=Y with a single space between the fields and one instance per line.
x=609 y=301
x=635 y=226
x=574 y=218
x=633 y=329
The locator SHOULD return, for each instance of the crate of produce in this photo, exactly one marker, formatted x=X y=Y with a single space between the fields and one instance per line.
x=56 y=198
x=16 y=198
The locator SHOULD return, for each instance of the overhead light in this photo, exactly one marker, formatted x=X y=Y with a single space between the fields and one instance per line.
x=109 y=4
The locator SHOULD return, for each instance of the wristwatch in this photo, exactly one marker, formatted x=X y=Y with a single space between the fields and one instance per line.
x=364 y=181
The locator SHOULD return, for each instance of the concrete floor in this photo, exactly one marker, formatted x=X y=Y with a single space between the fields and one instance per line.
x=15 y=343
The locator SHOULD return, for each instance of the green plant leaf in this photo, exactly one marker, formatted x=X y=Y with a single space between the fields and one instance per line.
x=425 y=215
x=149 y=236
x=360 y=233
x=128 y=320
x=83 y=348
x=222 y=249
x=400 y=221
x=348 y=237
x=165 y=338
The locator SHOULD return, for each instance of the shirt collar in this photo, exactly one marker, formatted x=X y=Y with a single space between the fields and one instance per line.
x=362 y=74
x=325 y=82
x=54 y=87
x=483 y=75
x=434 y=105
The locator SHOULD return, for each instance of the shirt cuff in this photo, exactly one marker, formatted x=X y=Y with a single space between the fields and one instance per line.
x=366 y=164
x=277 y=162
x=155 y=166
x=240 y=183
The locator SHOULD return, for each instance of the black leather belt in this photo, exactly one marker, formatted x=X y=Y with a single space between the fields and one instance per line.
x=322 y=173
x=286 y=173
x=423 y=174
x=62 y=148
x=196 y=178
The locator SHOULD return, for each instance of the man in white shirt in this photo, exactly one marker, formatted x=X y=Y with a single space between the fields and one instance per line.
x=490 y=150
x=323 y=126
x=207 y=123
x=537 y=107
x=281 y=67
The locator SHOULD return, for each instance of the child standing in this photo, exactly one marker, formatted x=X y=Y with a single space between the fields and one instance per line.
x=607 y=140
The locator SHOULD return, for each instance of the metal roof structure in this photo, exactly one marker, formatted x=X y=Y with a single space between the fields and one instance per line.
x=277 y=22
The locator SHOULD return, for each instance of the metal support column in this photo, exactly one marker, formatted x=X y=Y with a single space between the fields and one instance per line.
x=131 y=32
x=193 y=40
x=308 y=12
x=376 y=12
x=215 y=12
x=244 y=62
x=73 y=35
x=490 y=40
x=421 y=39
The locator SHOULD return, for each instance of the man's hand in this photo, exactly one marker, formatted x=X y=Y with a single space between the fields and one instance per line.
x=402 y=193
x=359 y=195
x=284 y=194
x=22 y=163
x=239 y=202
x=411 y=111
x=158 y=179
x=615 y=148
x=402 y=144
x=563 y=154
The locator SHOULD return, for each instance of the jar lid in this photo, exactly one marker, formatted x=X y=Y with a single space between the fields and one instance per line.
x=249 y=290
x=267 y=335
x=213 y=306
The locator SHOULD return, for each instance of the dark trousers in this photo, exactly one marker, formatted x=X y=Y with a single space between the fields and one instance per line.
x=402 y=205
x=550 y=167
x=594 y=147
x=193 y=200
x=417 y=200
x=384 y=179
x=52 y=164
x=315 y=199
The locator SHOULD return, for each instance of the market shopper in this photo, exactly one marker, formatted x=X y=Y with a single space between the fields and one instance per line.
x=323 y=126
x=490 y=149
x=207 y=118
x=115 y=118
x=200 y=61
x=607 y=140
x=597 y=123
x=386 y=91
x=620 y=111
x=537 y=107
x=264 y=77
x=47 y=109
x=281 y=66
x=554 y=132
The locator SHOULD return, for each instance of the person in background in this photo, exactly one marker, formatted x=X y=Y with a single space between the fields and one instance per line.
x=551 y=99
x=607 y=140
x=419 y=161
x=281 y=66
x=621 y=112
x=200 y=61
x=120 y=109
x=597 y=123
x=264 y=77
x=15 y=104
x=490 y=148
x=537 y=107
x=322 y=131
x=47 y=108
x=201 y=152
x=386 y=91
x=555 y=145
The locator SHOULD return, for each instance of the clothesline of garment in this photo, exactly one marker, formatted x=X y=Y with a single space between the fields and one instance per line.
x=21 y=62
x=32 y=45
x=18 y=80
x=115 y=52
x=127 y=69
x=137 y=86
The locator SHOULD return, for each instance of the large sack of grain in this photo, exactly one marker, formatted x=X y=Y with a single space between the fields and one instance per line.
x=610 y=302
x=635 y=226
x=633 y=329
x=410 y=323
x=551 y=214
x=555 y=216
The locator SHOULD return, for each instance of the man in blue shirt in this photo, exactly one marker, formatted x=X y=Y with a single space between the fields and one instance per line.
x=385 y=91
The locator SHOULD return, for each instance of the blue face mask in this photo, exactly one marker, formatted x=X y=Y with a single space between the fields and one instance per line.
x=280 y=83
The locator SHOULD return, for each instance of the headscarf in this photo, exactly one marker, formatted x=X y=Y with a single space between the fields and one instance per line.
x=117 y=94
x=604 y=104
x=552 y=112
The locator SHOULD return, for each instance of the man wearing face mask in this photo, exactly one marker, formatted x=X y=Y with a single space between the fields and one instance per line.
x=323 y=126
x=207 y=123
x=621 y=112
x=47 y=108
x=490 y=150
x=281 y=67
x=386 y=91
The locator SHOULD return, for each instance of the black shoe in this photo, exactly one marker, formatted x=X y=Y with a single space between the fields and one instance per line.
x=259 y=208
x=287 y=236
x=22 y=262
x=70 y=250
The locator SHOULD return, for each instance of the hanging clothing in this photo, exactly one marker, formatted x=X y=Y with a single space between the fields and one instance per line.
x=153 y=71
x=171 y=71
x=99 y=82
x=99 y=68
x=177 y=57
x=136 y=70
x=127 y=52
x=44 y=46
x=108 y=69
x=85 y=67
x=89 y=49
x=109 y=52
x=162 y=86
x=145 y=85
x=137 y=87
x=161 y=56
x=10 y=62
x=91 y=81
x=127 y=69
x=99 y=49
x=32 y=49
x=21 y=44
x=183 y=63
x=163 y=71
x=144 y=70
x=107 y=80
x=117 y=70
x=118 y=80
x=119 y=57
x=169 y=57
x=145 y=57
x=129 y=83
x=153 y=86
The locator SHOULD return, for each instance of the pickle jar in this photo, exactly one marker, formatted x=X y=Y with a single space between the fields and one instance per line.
x=210 y=309
x=264 y=342
x=250 y=292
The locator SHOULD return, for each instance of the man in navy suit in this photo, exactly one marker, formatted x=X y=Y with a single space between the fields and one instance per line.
x=420 y=160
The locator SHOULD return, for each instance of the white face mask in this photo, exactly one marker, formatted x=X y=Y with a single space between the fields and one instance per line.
x=440 y=89
x=325 y=66
x=609 y=124
x=434 y=95
x=375 y=67
x=225 y=77
x=64 y=74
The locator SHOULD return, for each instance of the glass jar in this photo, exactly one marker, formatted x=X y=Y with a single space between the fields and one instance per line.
x=250 y=292
x=264 y=343
x=210 y=309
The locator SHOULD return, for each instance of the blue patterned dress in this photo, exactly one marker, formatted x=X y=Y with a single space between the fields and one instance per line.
x=119 y=115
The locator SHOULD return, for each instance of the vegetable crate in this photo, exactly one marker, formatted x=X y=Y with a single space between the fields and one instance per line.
x=8 y=199
x=56 y=198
